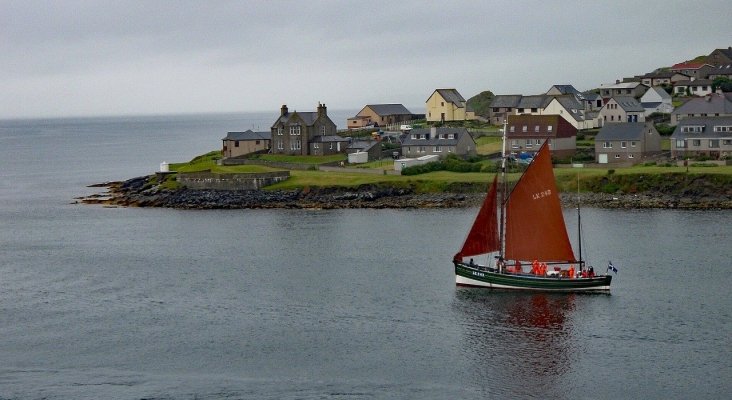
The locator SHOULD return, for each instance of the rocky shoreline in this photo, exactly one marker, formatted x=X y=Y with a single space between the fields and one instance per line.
x=137 y=192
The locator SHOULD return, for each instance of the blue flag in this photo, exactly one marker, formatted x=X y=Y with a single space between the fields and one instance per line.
x=611 y=267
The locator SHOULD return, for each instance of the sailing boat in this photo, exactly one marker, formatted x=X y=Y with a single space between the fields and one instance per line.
x=530 y=234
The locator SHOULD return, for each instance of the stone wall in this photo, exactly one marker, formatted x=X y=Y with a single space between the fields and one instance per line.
x=272 y=164
x=250 y=181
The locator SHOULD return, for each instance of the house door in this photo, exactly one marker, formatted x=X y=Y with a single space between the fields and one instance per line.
x=602 y=158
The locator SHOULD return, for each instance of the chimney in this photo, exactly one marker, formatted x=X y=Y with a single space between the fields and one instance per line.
x=322 y=110
x=283 y=110
x=433 y=132
x=617 y=81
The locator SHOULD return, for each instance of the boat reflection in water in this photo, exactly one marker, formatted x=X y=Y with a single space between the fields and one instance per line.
x=518 y=342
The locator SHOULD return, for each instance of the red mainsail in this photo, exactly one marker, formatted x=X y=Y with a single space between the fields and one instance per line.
x=535 y=227
x=483 y=236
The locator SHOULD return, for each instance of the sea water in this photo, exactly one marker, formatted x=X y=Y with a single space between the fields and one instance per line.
x=130 y=303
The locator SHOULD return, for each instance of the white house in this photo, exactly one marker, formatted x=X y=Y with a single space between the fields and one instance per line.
x=656 y=99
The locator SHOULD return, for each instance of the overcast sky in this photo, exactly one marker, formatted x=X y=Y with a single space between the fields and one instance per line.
x=78 y=58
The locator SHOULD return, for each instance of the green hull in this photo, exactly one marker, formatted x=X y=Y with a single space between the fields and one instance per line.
x=465 y=275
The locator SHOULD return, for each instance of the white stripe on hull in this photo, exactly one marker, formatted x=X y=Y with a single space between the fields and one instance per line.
x=461 y=280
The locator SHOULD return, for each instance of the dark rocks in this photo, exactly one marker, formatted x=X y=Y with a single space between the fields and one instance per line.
x=141 y=192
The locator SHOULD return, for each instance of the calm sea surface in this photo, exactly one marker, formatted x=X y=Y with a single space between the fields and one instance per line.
x=99 y=303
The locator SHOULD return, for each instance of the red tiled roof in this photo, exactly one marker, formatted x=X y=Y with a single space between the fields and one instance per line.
x=689 y=65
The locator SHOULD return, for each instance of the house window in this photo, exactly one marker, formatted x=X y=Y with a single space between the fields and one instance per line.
x=632 y=143
x=414 y=136
x=512 y=128
x=538 y=142
x=438 y=149
x=524 y=129
x=322 y=130
x=696 y=142
x=529 y=143
x=331 y=145
x=617 y=156
x=279 y=145
x=607 y=145
x=442 y=104
x=451 y=136
x=279 y=131
x=630 y=155
x=316 y=145
x=495 y=109
x=236 y=143
x=536 y=128
x=623 y=145
x=295 y=130
x=533 y=110
x=680 y=143
x=421 y=149
x=442 y=135
x=514 y=144
x=727 y=142
x=714 y=143
x=295 y=145
x=549 y=128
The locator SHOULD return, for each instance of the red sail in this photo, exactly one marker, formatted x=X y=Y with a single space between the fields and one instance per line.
x=483 y=236
x=535 y=227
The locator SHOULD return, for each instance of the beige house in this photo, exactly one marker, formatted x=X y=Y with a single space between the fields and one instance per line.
x=622 y=109
x=626 y=143
x=380 y=115
x=293 y=132
x=526 y=133
x=447 y=105
x=238 y=144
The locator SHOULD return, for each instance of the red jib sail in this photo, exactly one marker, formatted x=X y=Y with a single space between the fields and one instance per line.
x=483 y=236
x=535 y=227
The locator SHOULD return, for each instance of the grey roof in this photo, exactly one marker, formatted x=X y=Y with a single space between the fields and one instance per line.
x=571 y=104
x=248 y=135
x=651 y=105
x=535 y=101
x=363 y=145
x=696 y=82
x=389 y=109
x=622 y=85
x=621 y=131
x=308 y=118
x=329 y=138
x=708 y=123
x=710 y=104
x=565 y=89
x=664 y=94
x=451 y=95
x=434 y=139
x=590 y=95
x=628 y=104
x=506 y=101
x=724 y=69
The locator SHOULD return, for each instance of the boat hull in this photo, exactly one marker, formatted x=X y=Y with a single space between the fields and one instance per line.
x=465 y=275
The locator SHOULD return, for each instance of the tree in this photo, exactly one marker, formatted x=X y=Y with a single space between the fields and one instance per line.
x=481 y=103
x=723 y=83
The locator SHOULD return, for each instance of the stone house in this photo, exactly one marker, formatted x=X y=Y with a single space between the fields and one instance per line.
x=237 y=144
x=708 y=136
x=380 y=115
x=447 y=105
x=293 y=132
x=438 y=141
x=622 y=109
x=656 y=99
x=526 y=133
x=626 y=143
x=720 y=57
x=713 y=105
x=501 y=106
